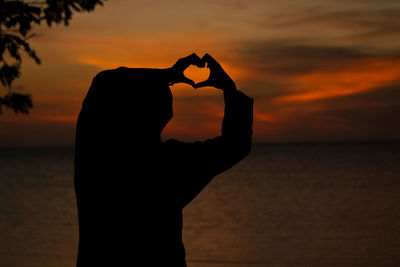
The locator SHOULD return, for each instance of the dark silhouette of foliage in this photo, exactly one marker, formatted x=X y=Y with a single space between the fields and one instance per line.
x=16 y=21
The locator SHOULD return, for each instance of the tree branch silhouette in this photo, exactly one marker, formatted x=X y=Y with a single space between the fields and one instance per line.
x=17 y=18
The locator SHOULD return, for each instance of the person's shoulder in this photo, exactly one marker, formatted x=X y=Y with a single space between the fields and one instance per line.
x=172 y=142
x=177 y=145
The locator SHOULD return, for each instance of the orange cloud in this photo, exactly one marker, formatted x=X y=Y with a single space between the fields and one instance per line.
x=361 y=76
x=264 y=117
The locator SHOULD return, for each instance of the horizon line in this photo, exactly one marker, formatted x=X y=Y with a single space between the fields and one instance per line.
x=255 y=143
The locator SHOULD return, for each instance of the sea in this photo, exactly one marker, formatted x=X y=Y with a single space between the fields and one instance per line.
x=310 y=204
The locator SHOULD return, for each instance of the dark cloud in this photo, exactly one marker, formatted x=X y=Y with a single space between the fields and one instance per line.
x=363 y=22
x=288 y=57
x=368 y=115
x=265 y=88
x=377 y=109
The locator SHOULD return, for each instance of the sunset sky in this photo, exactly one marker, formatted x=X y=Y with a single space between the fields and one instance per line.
x=318 y=70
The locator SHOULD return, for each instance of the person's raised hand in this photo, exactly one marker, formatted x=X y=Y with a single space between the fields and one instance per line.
x=176 y=71
x=218 y=77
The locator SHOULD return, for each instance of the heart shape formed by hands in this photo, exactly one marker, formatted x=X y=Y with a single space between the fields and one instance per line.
x=217 y=76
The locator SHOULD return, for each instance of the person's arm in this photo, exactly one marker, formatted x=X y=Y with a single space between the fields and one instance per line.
x=204 y=160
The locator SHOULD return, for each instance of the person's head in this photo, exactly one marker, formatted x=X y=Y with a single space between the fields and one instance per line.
x=131 y=103
x=155 y=107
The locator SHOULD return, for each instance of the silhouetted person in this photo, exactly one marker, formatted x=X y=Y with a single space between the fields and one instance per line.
x=131 y=187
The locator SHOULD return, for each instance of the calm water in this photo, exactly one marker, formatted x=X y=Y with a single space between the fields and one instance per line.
x=285 y=205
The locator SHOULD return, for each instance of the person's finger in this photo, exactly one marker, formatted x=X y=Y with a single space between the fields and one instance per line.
x=194 y=59
x=211 y=62
x=187 y=80
x=202 y=84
